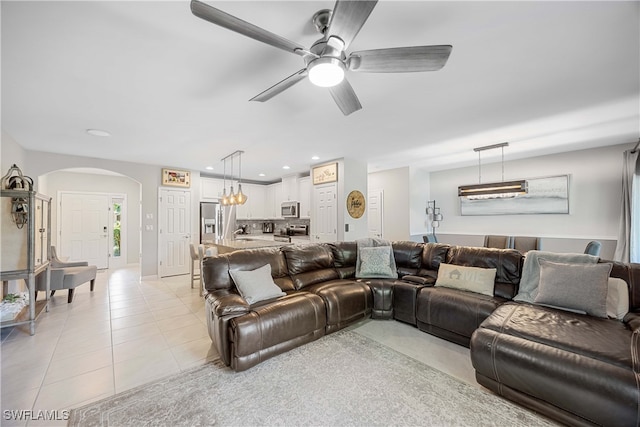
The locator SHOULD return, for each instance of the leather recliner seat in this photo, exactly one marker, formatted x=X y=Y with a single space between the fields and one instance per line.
x=573 y=367
x=311 y=268
x=453 y=314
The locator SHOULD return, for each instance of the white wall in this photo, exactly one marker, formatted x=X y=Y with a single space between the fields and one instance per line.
x=94 y=183
x=594 y=192
x=419 y=193
x=396 y=185
x=594 y=199
x=352 y=175
x=11 y=153
x=594 y=196
x=41 y=163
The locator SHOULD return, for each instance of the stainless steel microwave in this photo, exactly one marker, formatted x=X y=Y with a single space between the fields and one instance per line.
x=290 y=210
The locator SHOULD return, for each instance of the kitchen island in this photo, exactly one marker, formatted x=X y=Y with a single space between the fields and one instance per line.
x=229 y=245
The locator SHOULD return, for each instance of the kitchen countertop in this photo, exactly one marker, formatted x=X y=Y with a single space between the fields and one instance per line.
x=229 y=245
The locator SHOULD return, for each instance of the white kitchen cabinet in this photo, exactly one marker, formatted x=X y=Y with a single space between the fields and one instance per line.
x=269 y=202
x=304 y=196
x=278 y=198
x=211 y=188
x=273 y=200
x=290 y=188
x=254 y=208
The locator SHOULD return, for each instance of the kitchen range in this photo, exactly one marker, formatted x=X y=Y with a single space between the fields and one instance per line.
x=293 y=232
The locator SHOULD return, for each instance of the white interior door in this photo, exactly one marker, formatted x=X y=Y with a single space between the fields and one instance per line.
x=325 y=213
x=175 y=232
x=83 y=228
x=375 y=213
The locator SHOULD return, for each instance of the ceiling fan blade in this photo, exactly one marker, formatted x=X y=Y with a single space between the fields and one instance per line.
x=347 y=19
x=400 y=59
x=345 y=97
x=230 y=22
x=280 y=86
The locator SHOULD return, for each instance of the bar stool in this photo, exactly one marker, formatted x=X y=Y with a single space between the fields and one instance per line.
x=196 y=261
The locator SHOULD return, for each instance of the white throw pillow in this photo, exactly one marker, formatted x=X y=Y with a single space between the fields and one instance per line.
x=617 y=298
x=256 y=285
x=474 y=279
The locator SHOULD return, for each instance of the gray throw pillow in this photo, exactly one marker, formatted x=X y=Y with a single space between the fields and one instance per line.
x=375 y=262
x=528 y=288
x=574 y=286
x=375 y=272
x=256 y=285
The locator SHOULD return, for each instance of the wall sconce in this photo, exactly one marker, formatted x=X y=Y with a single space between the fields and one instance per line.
x=496 y=189
x=20 y=211
x=19 y=205
x=434 y=215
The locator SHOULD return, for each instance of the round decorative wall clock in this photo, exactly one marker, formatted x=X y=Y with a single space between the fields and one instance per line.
x=355 y=204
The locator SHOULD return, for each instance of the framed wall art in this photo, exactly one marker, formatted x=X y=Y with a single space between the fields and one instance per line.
x=176 y=178
x=356 y=204
x=325 y=173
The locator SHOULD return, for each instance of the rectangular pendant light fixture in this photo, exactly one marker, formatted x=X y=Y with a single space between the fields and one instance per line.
x=504 y=189
x=493 y=189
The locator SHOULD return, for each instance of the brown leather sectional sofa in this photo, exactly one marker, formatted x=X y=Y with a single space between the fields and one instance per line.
x=575 y=368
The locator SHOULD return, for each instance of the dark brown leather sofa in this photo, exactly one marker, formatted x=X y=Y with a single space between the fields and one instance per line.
x=571 y=367
x=578 y=369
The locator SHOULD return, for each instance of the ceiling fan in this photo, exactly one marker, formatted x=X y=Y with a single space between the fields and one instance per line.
x=326 y=60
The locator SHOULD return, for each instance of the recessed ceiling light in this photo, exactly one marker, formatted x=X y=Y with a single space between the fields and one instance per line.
x=261 y=174
x=209 y=168
x=98 y=132
x=315 y=158
x=286 y=167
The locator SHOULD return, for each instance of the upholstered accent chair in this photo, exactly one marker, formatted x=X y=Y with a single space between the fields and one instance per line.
x=526 y=244
x=430 y=238
x=593 y=248
x=67 y=275
x=500 y=242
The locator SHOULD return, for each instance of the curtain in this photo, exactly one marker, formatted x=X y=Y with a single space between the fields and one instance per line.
x=628 y=234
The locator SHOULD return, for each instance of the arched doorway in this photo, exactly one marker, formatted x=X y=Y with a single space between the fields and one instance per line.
x=108 y=202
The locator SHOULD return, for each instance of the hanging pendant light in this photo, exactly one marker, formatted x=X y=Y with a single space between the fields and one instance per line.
x=238 y=198
x=224 y=200
x=241 y=198
x=232 y=196
x=494 y=190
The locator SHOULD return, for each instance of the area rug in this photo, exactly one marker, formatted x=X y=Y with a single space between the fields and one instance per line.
x=341 y=379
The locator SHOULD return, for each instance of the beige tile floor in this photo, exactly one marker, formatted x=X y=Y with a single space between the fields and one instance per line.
x=129 y=332
x=126 y=333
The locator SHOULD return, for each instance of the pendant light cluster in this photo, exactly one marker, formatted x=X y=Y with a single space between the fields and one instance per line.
x=238 y=198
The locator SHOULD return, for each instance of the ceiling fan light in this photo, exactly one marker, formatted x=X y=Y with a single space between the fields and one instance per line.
x=326 y=71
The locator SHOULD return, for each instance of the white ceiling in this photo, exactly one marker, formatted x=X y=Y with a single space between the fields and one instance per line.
x=173 y=89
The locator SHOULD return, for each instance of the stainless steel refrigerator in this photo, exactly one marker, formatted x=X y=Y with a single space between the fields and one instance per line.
x=211 y=222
